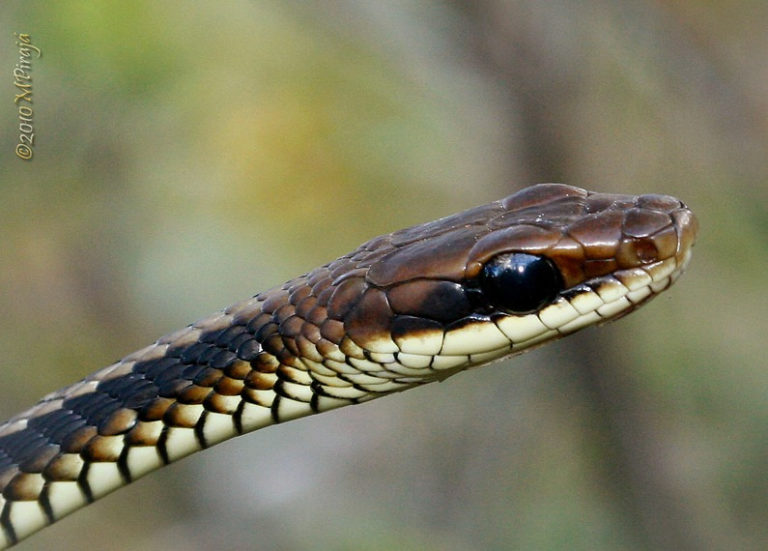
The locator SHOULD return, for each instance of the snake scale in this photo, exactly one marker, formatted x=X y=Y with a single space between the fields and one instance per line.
x=404 y=309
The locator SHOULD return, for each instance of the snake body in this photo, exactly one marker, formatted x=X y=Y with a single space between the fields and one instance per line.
x=402 y=310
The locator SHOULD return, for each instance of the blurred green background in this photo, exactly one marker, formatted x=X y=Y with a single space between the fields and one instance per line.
x=191 y=154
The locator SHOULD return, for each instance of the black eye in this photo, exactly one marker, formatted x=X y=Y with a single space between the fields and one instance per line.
x=520 y=283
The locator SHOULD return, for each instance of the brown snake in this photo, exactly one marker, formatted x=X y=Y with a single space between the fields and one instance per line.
x=404 y=309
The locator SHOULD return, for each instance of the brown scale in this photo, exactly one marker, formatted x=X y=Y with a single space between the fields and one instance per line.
x=64 y=467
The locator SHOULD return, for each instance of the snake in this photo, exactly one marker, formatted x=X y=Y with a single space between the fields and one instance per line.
x=402 y=310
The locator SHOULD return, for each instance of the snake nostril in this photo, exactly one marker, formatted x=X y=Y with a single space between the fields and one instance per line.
x=646 y=251
x=632 y=252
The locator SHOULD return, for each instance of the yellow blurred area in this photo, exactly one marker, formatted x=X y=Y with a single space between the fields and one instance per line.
x=188 y=155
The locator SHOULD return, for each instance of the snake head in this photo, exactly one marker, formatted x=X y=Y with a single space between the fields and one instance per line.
x=445 y=290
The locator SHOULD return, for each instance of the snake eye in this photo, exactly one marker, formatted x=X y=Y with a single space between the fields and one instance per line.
x=520 y=283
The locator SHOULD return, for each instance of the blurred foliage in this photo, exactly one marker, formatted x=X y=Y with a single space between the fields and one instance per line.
x=188 y=155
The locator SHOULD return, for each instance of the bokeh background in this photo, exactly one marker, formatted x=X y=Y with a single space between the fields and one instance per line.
x=191 y=154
